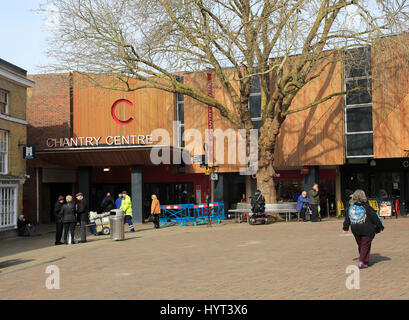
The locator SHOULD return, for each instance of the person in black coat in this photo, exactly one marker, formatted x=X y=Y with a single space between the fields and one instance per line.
x=69 y=219
x=364 y=223
x=108 y=203
x=82 y=212
x=58 y=220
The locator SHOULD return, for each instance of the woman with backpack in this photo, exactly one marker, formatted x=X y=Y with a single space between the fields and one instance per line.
x=364 y=223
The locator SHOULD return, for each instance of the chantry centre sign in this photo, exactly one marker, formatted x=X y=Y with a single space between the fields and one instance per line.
x=79 y=142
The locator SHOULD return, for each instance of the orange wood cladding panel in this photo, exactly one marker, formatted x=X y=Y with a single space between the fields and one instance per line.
x=314 y=136
x=152 y=109
x=390 y=59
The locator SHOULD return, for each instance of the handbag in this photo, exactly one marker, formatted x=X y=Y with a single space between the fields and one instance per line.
x=150 y=218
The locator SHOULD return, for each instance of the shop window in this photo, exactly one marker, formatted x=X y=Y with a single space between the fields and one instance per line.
x=3 y=152
x=8 y=206
x=4 y=97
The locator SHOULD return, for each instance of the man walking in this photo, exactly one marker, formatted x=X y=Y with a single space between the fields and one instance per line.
x=314 y=197
x=58 y=220
x=126 y=207
x=82 y=212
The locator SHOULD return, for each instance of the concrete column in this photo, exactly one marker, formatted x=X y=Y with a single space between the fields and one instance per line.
x=84 y=181
x=312 y=177
x=136 y=194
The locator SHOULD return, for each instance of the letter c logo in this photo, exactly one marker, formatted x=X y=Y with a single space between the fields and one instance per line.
x=113 y=111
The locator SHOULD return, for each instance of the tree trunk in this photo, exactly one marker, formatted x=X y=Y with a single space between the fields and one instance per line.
x=266 y=172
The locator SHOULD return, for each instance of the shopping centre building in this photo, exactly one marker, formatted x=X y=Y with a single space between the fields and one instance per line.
x=94 y=140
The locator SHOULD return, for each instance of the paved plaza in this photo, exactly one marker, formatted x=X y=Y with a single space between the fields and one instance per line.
x=294 y=260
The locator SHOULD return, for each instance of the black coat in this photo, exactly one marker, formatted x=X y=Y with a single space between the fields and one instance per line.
x=82 y=210
x=57 y=211
x=372 y=223
x=68 y=212
x=108 y=204
x=314 y=197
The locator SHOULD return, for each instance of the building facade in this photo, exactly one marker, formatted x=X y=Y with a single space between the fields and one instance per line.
x=96 y=140
x=13 y=138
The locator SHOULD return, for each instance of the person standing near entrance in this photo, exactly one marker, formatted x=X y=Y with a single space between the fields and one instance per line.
x=69 y=219
x=155 y=211
x=364 y=223
x=302 y=205
x=82 y=211
x=118 y=202
x=58 y=220
x=126 y=207
x=314 y=198
x=108 y=203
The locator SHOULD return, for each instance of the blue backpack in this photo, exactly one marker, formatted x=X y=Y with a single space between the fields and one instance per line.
x=357 y=214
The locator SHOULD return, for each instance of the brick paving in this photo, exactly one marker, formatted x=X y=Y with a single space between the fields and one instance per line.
x=293 y=260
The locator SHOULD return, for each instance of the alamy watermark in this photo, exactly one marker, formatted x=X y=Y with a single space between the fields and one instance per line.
x=53 y=280
x=353 y=281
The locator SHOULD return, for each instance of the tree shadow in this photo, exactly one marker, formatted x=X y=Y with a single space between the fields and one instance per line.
x=13 y=262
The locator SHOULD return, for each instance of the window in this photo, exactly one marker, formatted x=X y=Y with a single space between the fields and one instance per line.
x=358 y=104
x=255 y=102
x=3 y=152
x=180 y=115
x=4 y=98
x=8 y=206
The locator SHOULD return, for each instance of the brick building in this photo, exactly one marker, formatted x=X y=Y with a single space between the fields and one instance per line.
x=13 y=137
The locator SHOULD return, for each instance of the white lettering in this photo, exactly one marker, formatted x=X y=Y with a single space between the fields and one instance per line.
x=53 y=281
x=352 y=281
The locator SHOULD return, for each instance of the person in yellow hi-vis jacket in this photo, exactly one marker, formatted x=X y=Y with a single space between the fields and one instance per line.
x=126 y=207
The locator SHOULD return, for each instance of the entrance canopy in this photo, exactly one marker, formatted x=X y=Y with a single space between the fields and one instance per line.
x=105 y=156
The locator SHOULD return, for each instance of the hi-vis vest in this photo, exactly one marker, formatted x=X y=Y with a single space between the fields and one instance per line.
x=126 y=206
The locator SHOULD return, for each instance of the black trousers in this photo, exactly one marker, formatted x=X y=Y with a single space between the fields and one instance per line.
x=69 y=227
x=83 y=230
x=58 y=234
x=314 y=209
x=156 y=220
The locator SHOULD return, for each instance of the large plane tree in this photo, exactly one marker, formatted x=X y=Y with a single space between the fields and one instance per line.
x=294 y=41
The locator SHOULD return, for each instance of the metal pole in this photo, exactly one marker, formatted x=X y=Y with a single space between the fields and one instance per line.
x=207 y=199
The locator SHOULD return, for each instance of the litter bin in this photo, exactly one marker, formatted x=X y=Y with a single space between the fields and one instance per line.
x=116 y=220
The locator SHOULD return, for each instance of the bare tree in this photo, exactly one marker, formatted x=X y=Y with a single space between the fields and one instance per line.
x=292 y=41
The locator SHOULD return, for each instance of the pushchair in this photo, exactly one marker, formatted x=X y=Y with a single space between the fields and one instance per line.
x=258 y=209
x=99 y=223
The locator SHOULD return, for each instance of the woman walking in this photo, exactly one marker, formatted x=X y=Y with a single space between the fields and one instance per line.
x=364 y=223
x=155 y=211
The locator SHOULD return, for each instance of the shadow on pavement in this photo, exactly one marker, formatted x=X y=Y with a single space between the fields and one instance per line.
x=13 y=262
x=375 y=258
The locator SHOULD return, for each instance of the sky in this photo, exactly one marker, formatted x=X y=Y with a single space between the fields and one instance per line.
x=23 y=34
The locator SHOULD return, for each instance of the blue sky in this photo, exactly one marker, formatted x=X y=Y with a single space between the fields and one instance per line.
x=23 y=34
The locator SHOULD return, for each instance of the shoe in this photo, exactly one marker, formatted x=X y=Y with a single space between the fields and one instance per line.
x=132 y=230
x=82 y=241
x=59 y=243
x=362 y=265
